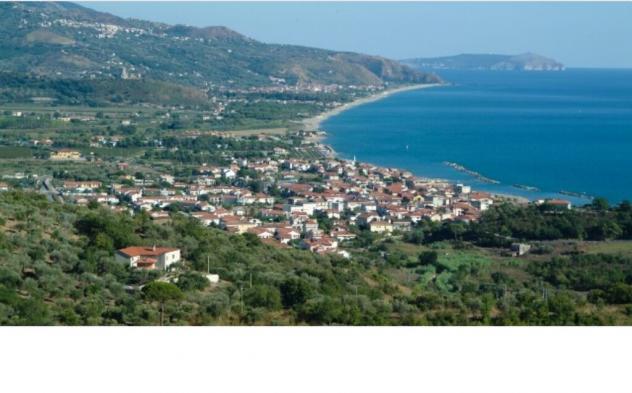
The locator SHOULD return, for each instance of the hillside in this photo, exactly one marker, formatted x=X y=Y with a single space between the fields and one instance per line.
x=57 y=267
x=67 y=41
x=522 y=62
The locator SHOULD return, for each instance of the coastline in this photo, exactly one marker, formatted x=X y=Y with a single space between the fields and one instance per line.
x=313 y=123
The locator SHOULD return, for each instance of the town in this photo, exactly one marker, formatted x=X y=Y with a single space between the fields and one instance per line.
x=317 y=204
x=156 y=174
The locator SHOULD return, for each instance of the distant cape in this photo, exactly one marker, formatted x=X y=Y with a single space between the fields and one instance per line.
x=522 y=62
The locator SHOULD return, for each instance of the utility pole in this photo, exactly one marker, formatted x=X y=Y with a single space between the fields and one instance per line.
x=241 y=296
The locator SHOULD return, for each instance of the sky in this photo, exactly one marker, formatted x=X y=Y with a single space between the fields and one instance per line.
x=577 y=34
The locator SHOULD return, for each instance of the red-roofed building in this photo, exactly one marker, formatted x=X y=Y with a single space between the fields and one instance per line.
x=149 y=257
x=558 y=204
x=285 y=235
x=262 y=232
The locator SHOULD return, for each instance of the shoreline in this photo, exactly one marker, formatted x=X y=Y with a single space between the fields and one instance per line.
x=313 y=123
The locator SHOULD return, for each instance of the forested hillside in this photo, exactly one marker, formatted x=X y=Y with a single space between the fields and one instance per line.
x=64 y=40
x=57 y=267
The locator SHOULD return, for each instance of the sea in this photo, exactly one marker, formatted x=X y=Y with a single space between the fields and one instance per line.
x=565 y=134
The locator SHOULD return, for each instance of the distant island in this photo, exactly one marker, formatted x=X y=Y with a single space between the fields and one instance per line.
x=522 y=62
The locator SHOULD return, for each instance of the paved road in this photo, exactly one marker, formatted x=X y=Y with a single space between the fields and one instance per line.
x=50 y=191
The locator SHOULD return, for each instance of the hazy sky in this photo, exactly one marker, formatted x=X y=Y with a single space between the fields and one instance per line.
x=577 y=34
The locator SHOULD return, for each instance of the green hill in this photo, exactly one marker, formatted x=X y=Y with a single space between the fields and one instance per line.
x=67 y=41
x=24 y=88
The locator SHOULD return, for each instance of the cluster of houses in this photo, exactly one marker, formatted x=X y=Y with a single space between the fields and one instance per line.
x=316 y=205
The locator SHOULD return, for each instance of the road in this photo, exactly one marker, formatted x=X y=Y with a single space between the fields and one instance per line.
x=50 y=191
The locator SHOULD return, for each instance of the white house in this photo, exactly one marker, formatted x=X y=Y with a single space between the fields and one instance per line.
x=482 y=204
x=149 y=257
x=381 y=226
x=463 y=189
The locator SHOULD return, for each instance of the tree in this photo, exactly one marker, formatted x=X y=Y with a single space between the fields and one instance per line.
x=192 y=281
x=600 y=204
x=117 y=227
x=428 y=258
x=619 y=293
x=267 y=296
x=324 y=222
x=162 y=292
x=456 y=230
x=562 y=309
x=294 y=291
x=625 y=206
x=323 y=311
x=415 y=237
x=604 y=230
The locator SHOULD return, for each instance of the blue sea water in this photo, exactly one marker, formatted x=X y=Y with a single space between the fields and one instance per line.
x=569 y=131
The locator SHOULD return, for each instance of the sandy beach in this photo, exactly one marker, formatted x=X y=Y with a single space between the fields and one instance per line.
x=313 y=123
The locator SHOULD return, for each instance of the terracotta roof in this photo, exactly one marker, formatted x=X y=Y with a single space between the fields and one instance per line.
x=557 y=202
x=284 y=232
x=145 y=251
x=480 y=195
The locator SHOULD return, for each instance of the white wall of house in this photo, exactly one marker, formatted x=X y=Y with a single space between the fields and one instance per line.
x=167 y=259
x=162 y=262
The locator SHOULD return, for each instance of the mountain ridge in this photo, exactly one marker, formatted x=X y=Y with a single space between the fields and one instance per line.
x=66 y=40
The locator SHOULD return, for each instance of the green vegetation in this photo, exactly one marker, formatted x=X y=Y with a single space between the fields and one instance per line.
x=162 y=292
x=150 y=100
x=23 y=88
x=507 y=223
x=57 y=267
x=70 y=42
x=15 y=152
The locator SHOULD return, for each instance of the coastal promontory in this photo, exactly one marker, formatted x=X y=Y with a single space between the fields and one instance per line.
x=495 y=62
